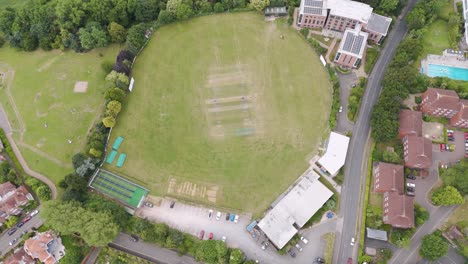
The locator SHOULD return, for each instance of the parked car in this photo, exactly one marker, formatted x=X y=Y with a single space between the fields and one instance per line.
x=12 y=231
x=218 y=215
x=134 y=238
x=210 y=236
x=26 y=219
x=210 y=213
x=35 y=212
x=233 y=216
x=410 y=193
x=410 y=189
x=148 y=204
x=442 y=147
x=303 y=239
x=298 y=247
x=341 y=109
x=291 y=253
x=409 y=184
x=320 y=260
x=412 y=177
x=236 y=219
x=13 y=241
x=228 y=216
x=223 y=239
x=466 y=135
x=350 y=261
x=265 y=244
x=172 y=204
x=19 y=224
x=202 y=234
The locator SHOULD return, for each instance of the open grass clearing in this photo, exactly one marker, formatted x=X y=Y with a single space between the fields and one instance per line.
x=43 y=109
x=272 y=97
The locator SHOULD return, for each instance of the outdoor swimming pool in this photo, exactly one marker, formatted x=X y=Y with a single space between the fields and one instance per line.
x=434 y=70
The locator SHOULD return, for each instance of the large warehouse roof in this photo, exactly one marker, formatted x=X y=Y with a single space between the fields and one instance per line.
x=335 y=156
x=302 y=201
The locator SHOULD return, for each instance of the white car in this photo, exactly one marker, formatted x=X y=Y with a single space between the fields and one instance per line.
x=341 y=109
x=35 y=212
x=236 y=219
x=409 y=184
x=223 y=239
x=352 y=241
x=218 y=215
x=303 y=239
x=299 y=247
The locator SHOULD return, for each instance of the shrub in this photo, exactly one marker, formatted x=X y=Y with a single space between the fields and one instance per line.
x=109 y=121
x=304 y=32
x=418 y=99
x=218 y=8
x=115 y=94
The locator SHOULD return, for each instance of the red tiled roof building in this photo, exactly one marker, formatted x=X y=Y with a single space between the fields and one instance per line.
x=410 y=123
x=11 y=200
x=388 y=178
x=19 y=257
x=460 y=119
x=417 y=152
x=46 y=247
x=398 y=210
x=440 y=102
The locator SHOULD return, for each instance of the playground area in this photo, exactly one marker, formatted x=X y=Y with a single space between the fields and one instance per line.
x=118 y=188
x=232 y=120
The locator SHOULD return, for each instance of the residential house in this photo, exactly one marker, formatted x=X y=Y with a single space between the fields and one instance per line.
x=440 y=102
x=417 y=152
x=352 y=48
x=388 y=178
x=19 y=256
x=398 y=210
x=46 y=247
x=410 y=123
x=11 y=200
x=460 y=119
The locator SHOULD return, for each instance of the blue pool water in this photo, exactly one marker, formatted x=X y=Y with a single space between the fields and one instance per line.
x=434 y=70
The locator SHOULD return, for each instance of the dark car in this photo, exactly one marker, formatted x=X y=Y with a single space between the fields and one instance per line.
x=134 y=238
x=202 y=234
x=291 y=253
x=172 y=204
x=19 y=224
x=12 y=231
x=410 y=189
x=227 y=216
x=412 y=177
x=320 y=260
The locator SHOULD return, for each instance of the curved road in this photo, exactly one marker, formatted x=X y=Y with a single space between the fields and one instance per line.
x=356 y=158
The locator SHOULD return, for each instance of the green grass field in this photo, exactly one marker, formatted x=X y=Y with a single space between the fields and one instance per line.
x=48 y=111
x=223 y=111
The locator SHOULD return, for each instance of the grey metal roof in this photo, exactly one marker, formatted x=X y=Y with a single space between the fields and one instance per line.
x=377 y=234
x=379 y=24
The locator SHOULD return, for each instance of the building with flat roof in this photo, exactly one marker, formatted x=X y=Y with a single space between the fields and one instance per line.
x=410 y=123
x=335 y=156
x=388 y=178
x=276 y=11
x=347 y=13
x=440 y=102
x=377 y=234
x=352 y=48
x=292 y=212
x=398 y=210
x=377 y=27
x=460 y=119
x=312 y=14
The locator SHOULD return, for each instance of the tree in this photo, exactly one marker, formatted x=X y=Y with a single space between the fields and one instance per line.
x=95 y=153
x=259 y=5
x=113 y=108
x=391 y=157
x=121 y=67
x=44 y=193
x=12 y=221
x=93 y=36
x=218 y=8
x=184 y=12
x=420 y=215
x=433 y=246
x=165 y=17
x=117 y=32
x=172 y=6
x=144 y=11
x=206 y=251
x=118 y=79
x=447 y=196
x=125 y=55
x=136 y=38
x=457 y=176
x=206 y=7
x=416 y=19
x=96 y=228
x=99 y=10
x=236 y=257
x=115 y=94
x=109 y=121
x=86 y=168
x=388 y=6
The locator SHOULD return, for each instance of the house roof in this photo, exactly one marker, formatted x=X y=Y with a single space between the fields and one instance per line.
x=390 y=178
x=400 y=210
x=463 y=110
x=313 y=7
x=441 y=98
x=379 y=24
x=350 y=9
x=6 y=188
x=19 y=256
x=354 y=42
x=275 y=10
x=377 y=234
x=297 y=206
x=335 y=155
x=39 y=247
x=454 y=232
x=419 y=152
x=410 y=123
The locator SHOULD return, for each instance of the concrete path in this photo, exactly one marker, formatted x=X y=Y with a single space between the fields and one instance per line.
x=330 y=49
x=92 y=256
x=4 y=124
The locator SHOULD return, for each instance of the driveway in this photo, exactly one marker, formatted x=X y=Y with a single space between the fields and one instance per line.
x=192 y=219
x=5 y=239
x=346 y=84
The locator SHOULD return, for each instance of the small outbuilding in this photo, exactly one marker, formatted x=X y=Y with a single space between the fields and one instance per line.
x=377 y=234
x=276 y=11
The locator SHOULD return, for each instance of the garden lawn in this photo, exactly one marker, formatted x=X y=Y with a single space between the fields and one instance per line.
x=223 y=111
x=49 y=112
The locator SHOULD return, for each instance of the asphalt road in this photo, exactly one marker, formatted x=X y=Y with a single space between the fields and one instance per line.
x=354 y=172
x=5 y=239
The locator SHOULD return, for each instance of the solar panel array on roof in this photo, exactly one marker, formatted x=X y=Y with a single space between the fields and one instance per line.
x=349 y=40
x=314 y=3
x=353 y=43
x=357 y=44
x=312 y=11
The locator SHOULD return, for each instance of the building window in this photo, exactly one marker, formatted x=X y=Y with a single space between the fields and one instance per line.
x=337 y=57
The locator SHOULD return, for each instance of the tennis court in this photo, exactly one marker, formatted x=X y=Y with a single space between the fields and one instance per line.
x=118 y=188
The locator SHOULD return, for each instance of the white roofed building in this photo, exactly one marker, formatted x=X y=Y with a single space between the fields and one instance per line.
x=465 y=17
x=352 y=48
x=335 y=156
x=297 y=206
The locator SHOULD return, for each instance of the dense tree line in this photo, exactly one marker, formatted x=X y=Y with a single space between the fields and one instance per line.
x=401 y=77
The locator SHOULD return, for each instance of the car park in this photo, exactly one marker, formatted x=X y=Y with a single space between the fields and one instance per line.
x=352 y=241
x=412 y=177
x=12 y=231
x=409 y=184
x=172 y=204
x=202 y=234
x=218 y=215
x=320 y=260
x=236 y=219
x=210 y=236
x=304 y=240
x=210 y=213
x=299 y=248
x=292 y=253
x=228 y=216
x=233 y=216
